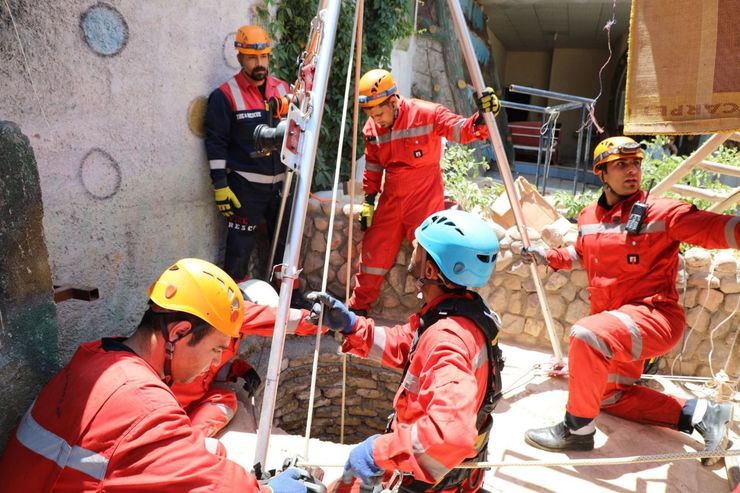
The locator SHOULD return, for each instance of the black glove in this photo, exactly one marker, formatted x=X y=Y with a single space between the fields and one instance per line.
x=336 y=315
x=252 y=382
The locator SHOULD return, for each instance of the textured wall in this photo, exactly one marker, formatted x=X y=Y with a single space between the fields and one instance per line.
x=110 y=96
x=28 y=330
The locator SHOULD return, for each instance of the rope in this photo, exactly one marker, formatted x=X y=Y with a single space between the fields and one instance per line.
x=633 y=459
x=27 y=66
x=608 y=28
x=721 y=378
x=351 y=215
x=329 y=235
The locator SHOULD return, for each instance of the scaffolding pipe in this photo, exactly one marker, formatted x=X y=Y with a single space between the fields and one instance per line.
x=463 y=36
x=551 y=94
x=310 y=137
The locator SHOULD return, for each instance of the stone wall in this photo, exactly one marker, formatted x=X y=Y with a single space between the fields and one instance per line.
x=28 y=325
x=708 y=283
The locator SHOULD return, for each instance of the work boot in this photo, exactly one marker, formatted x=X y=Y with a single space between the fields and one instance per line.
x=713 y=429
x=558 y=438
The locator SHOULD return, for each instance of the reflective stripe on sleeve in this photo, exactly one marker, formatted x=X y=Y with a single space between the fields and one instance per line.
x=411 y=383
x=730 y=232
x=236 y=93
x=378 y=347
x=434 y=468
x=480 y=359
x=457 y=131
x=53 y=447
x=634 y=332
x=588 y=337
x=217 y=163
x=575 y=259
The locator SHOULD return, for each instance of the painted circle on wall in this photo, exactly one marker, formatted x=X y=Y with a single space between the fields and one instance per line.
x=196 y=116
x=229 y=52
x=100 y=174
x=104 y=28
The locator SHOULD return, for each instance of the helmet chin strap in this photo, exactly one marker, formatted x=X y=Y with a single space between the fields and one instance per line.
x=169 y=348
x=422 y=281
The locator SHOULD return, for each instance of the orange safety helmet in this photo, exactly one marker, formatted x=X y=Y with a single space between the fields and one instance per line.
x=252 y=40
x=200 y=288
x=614 y=148
x=376 y=86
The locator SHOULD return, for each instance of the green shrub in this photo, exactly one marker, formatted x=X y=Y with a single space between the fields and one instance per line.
x=571 y=205
x=459 y=167
x=385 y=22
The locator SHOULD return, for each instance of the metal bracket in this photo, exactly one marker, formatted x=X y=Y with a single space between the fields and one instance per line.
x=64 y=293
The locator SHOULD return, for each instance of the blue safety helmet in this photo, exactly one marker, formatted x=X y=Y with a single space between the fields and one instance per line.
x=462 y=244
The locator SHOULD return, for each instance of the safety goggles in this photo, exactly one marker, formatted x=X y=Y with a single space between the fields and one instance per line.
x=251 y=46
x=623 y=150
x=373 y=97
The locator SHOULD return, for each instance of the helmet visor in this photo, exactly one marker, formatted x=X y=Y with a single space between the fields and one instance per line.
x=626 y=149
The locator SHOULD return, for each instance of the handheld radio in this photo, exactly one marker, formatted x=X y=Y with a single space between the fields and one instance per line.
x=637 y=213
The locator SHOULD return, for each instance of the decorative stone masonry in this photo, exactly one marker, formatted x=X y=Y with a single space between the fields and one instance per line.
x=369 y=392
x=708 y=284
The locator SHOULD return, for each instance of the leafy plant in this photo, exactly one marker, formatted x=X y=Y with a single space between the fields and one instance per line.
x=460 y=166
x=385 y=22
x=572 y=205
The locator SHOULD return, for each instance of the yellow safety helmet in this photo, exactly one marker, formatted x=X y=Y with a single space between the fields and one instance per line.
x=252 y=40
x=200 y=288
x=614 y=148
x=376 y=86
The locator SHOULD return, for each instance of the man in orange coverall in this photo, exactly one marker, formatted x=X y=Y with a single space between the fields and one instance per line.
x=631 y=262
x=108 y=420
x=208 y=400
x=403 y=140
x=450 y=358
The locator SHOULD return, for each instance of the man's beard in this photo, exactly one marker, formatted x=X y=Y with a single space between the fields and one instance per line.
x=258 y=73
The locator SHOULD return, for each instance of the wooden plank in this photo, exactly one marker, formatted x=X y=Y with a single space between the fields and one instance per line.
x=721 y=168
x=699 y=193
x=690 y=163
x=732 y=199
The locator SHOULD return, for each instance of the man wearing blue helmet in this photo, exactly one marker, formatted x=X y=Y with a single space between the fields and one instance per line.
x=449 y=356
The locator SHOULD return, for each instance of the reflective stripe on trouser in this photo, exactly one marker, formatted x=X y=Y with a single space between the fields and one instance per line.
x=606 y=355
x=394 y=218
x=213 y=411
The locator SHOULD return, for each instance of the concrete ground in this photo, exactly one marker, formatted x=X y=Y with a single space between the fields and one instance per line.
x=532 y=400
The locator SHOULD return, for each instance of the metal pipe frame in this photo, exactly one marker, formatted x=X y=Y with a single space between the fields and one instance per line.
x=330 y=17
x=550 y=94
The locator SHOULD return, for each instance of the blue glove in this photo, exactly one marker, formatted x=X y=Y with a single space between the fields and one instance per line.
x=288 y=482
x=336 y=315
x=361 y=461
